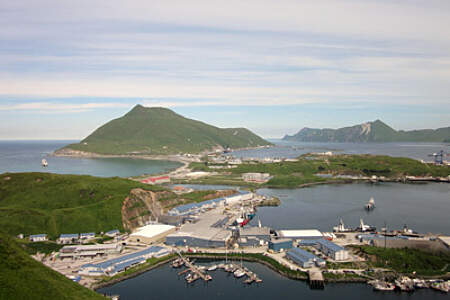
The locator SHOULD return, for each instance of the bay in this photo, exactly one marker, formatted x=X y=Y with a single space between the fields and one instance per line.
x=26 y=156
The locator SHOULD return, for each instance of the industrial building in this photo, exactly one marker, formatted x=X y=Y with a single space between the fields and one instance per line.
x=332 y=250
x=113 y=266
x=70 y=238
x=193 y=208
x=304 y=258
x=238 y=198
x=151 y=233
x=207 y=232
x=279 y=245
x=81 y=251
x=253 y=236
x=302 y=234
x=38 y=237
x=256 y=177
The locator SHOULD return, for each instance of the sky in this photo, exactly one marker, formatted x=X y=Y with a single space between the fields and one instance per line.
x=67 y=67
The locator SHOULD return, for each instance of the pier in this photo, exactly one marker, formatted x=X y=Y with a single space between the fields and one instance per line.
x=316 y=279
x=194 y=269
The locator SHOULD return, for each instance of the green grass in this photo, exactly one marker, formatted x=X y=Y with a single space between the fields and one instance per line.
x=409 y=260
x=21 y=277
x=32 y=203
x=294 y=174
x=41 y=247
x=161 y=131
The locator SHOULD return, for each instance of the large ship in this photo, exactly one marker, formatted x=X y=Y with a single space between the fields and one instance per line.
x=341 y=227
x=370 y=205
x=365 y=228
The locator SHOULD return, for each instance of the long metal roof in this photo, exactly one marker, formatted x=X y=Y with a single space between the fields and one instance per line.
x=302 y=255
x=330 y=245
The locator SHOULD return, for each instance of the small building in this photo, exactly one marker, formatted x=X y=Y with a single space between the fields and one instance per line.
x=304 y=258
x=279 y=245
x=38 y=237
x=87 y=236
x=70 y=238
x=156 y=180
x=151 y=233
x=91 y=251
x=113 y=233
x=301 y=234
x=256 y=177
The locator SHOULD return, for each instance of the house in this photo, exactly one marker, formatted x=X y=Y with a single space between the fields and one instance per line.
x=70 y=238
x=38 y=237
x=113 y=233
x=87 y=236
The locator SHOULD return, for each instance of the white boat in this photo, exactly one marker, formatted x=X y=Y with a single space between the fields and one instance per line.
x=341 y=227
x=239 y=273
x=212 y=268
x=371 y=204
x=44 y=162
x=364 y=228
x=382 y=285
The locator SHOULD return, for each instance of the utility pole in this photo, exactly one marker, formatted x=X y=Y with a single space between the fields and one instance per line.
x=385 y=232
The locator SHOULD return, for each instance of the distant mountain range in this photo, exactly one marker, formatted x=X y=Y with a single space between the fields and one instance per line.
x=157 y=130
x=376 y=131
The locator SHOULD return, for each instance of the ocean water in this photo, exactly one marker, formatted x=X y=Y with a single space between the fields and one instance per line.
x=423 y=207
x=164 y=283
x=284 y=149
x=26 y=156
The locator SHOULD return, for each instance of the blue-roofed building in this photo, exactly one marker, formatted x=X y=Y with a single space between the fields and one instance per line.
x=304 y=258
x=193 y=208
x=70 y=238
x=38 y=237
x=307 y=243
x=119 y=264
x=279 y=245
x=113 y=233
x=87 y=236
x=332 y=250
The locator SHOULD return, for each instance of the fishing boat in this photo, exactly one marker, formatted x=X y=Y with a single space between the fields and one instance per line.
x=364 y=227
x=370 y=205
x=382 y=285
x=341 y=227
x=44 y=163
x=405 y=284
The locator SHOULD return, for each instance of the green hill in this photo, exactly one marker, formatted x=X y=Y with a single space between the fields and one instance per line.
x=376 y=131
x=21 y=277
x=161 y=131
x=32 y=203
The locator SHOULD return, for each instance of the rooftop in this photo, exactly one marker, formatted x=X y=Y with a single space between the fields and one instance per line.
x=330 y=245
x=303 y=255
x=300 y=233
x=152 y=230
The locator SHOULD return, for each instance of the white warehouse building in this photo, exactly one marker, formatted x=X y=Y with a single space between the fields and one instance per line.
x=241 y=196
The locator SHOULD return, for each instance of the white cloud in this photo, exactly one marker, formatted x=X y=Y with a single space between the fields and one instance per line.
x=56 y=107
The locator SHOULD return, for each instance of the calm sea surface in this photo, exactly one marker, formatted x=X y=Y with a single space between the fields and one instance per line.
x=283 y=149
x=164 y=283
x=26 y=156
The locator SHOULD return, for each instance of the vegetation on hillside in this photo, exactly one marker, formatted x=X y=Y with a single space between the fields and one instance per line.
x=21 y=277
x=408 y=260
x=305 y=170
x=32 y=203
x=376 y=131
x=159 y=130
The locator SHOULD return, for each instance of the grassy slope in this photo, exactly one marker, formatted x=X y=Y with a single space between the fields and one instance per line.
x=33 y=203
x=161 y=131
x=21 y=277
x=292 y=174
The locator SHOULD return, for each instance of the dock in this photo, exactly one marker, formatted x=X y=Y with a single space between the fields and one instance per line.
x=316 y=280
x=194 y=269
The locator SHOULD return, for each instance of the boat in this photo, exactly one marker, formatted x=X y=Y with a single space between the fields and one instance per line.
x=370 y=205
x=420 y=283
x=239 y=273
x=212 y=268
x=443 y=286
x=341 y=227
x=381 y=285
x=365 y=228
x=44 y=163
x=405 y=284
